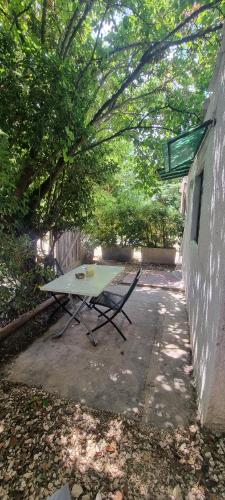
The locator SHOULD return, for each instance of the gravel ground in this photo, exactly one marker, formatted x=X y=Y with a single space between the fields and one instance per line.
x=46 y=442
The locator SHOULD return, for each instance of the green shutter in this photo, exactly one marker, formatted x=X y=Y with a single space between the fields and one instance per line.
x=179 y=152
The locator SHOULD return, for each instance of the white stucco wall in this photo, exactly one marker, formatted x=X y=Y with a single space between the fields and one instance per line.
x=204 y=262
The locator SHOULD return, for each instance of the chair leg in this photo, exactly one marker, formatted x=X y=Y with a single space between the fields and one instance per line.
x=101 y=314
x=62 y=305
x=108 y=320
x=123 y=312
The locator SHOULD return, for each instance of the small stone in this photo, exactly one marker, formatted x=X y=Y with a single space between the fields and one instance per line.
x=69 y=411
x=86 y=497
x=77 y=490
x=193 y=429
x=27 y=475
x=22 y=485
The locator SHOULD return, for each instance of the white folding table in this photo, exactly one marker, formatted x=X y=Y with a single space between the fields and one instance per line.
x=87 y=287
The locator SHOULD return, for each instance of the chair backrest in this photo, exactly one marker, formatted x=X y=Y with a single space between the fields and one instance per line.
x=131 y=289
x=58 y=267
x=52 y=262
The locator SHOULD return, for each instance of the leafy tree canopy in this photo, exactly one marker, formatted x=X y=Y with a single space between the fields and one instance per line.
x=75 y=77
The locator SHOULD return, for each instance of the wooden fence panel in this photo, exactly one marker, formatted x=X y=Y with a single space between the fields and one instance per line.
x=68 y=250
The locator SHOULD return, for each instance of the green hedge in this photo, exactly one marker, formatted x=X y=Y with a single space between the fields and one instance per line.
x=136 y=224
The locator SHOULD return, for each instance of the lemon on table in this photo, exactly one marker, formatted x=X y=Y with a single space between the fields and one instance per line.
x=90 y=271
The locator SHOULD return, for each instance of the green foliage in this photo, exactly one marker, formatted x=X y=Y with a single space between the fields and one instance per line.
x=42 y=111
x=20 y=277
x=136 y=221
x=157 y=225
x=77 y=76
x=89 y=92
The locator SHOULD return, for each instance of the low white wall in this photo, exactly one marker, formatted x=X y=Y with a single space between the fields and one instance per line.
x=204 y=263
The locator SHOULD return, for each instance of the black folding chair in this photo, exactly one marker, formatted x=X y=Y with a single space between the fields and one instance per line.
x=113 y=302
x=54 y=264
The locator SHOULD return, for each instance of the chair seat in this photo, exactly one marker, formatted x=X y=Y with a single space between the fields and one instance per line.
x=108 y=299
x=113 y=302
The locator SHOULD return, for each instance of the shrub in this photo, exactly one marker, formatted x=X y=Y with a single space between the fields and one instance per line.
x=136 y=223
x=157 y=225
x=20 y=277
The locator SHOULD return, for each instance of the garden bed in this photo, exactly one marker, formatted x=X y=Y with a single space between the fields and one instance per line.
x=158 y=255
x=116 y=253
x=27 y=333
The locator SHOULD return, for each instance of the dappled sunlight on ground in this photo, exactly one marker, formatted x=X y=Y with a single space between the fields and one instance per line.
x=86 y=450
x=170 y=399
x=46 y=442
x=147 y=377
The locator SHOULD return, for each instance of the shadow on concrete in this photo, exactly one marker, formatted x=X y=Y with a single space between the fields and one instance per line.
x=147 y=377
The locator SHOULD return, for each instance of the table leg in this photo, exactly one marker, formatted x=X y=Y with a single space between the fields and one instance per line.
x=74 y=314
x=88 y=328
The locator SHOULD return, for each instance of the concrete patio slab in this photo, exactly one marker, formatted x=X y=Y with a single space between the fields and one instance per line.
x=147 y=377
x=158 y=279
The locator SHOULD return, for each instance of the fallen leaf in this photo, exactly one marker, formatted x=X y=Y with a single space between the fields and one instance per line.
x=118 y=495
x=13 y=442
x=125 y=490
x=112 y=447
x=146 y=457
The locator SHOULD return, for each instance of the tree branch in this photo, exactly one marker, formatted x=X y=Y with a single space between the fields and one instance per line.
x=191 y=113
x=135 y=98
x=42 y=190
x=69 y=27
x=16 y=22
x=192 y=16
x=22 y=38
x=133 y=45
x=152 y=55
x=43 y=21
x=195 y=36
x=181 y=25
x=4 y=13
x=77 y=27
x=94 y=48
x=121 y=132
